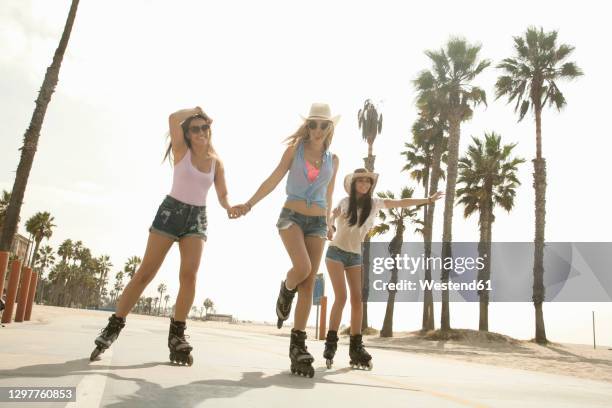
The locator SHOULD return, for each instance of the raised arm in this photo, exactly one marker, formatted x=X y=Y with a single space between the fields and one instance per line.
x=176 y=132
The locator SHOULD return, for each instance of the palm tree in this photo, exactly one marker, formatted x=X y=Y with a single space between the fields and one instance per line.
x=397 y=219
x=370 y=122
x=40 y=226
x=104 y=266
x=161 y=289
x=208 y=304
x=194 y=310
x=155 y=300
x=5 y=198
x=131 y=265
x=166 y=299
x=118 y=285
x=46 y=259
x=488 y=174
x=65 y=250
x=447 y=87
x=148 y=302
x=531 y=78
x=30 y=138
x=424 y=157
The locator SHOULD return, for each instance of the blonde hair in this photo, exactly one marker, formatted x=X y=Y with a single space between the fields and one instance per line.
x=303 y=134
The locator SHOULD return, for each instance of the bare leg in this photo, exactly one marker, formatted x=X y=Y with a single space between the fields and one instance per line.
x=157 y=248
x=314 y=246
x=293 y=239
x=336 y=275
x=353 y=277
x=191 y=253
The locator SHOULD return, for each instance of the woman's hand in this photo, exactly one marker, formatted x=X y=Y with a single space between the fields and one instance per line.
x=238 y=211
x=331 y=229
x=436 y=196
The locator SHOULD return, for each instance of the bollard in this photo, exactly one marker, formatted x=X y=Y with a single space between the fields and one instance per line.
x=26 y=276
x=31 y=294
x=11 y=292
x=322 y=324
x=4 y=257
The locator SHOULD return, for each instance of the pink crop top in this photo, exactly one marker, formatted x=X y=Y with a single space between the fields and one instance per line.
x=189 y=184
x=312 y=171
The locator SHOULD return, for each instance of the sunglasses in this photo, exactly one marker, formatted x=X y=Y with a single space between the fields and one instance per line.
x=313 y=125
x=197 y=129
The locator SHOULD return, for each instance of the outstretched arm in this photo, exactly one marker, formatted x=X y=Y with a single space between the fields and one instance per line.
x=330 y=193
x=407 y=202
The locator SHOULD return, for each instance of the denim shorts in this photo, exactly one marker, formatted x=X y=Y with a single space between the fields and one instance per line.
x=348 y=259
x=311 y=225
x=176 y=219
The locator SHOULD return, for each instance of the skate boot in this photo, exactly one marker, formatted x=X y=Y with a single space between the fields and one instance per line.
x=107 y=336
x=180 y=349
x=301 y=359
x=360 y=358
x=331 y=345
x=283 y=304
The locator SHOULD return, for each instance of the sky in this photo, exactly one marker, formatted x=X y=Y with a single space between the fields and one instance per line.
x=254 y=67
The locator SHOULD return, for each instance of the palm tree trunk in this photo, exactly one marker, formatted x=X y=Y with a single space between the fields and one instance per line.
x=484 y=253
x=451 y=181
x=428 y=306
x=387 y=328
x=30 y=139
x=539 y=183
x=365 y=277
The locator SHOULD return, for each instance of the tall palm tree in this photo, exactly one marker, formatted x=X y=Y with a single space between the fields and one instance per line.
x=424 y=158
x=488 y=175
x=397 y=218
x=155 y=300
x=45 y=259
x=65 y=250
x=531 y=78
x=161 y=289
x=30 y=138
x=208 y=304
x=448 y=87
x=131 y=266
x=370 y=122
x=118 y=285
x=40 y=225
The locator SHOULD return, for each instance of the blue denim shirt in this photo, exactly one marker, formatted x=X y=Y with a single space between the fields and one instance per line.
x=298 y=185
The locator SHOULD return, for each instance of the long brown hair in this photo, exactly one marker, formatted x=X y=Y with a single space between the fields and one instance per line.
x=185 y=127
x=364 y=202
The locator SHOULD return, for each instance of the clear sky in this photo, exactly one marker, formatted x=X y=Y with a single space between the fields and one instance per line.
x=255 y=67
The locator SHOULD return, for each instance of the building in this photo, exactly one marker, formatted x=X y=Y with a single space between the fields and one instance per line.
x=20 y=247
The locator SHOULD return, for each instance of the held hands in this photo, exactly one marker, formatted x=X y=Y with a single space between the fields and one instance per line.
x=238 y=211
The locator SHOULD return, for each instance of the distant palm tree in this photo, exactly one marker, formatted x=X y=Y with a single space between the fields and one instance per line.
x=447 y=87
x=118 y=285
x=30 y=138
x=531 y=78
x=424 y=158
x=397 y=218
x=5 y=198
x=161 y=289
x=488 y=176
x=370 y=122
x=155 y=300
x=166 y=299
x=40 y=225
x=208 y=304
x=132 y=265
x=46 y=259
x=194 y=311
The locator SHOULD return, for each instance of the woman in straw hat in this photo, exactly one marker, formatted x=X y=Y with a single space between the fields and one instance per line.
x=303 y=221
x=355 y=215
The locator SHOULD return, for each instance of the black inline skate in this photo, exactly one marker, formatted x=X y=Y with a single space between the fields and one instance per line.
x=331 y=345
x=283 y=304
x=180 y=349
x=107 y=336
x=301 y=359
x=360 y=358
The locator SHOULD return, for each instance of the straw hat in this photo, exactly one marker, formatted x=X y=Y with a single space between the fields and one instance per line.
x=348 y=179
x=321 y=111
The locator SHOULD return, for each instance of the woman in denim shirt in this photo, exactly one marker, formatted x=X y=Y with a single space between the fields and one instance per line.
x=303 y=221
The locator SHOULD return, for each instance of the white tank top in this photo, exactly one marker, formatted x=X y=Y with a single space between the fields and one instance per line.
x=189 y=184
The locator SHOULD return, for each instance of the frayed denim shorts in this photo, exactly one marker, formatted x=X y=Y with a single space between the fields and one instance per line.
x=176 y=219
x=348 y=259
x=311 y=225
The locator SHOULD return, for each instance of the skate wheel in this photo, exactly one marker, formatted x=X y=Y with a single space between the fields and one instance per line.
x=370 y=365
x=95 y=354
x=293 y=370
x=189 y=360
x=311 y=372
x=329 y=362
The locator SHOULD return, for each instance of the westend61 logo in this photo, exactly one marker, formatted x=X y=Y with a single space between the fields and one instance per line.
x=411 y=265
x=573 y=271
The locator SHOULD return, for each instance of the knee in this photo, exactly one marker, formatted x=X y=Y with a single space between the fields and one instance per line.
x=340 y=299
x=307 y=286
x=144 y=275
x=302 y=269
x=356 y=299
x=188 y=277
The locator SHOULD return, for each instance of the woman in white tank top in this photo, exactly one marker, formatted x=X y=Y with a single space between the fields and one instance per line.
x=181 y=218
